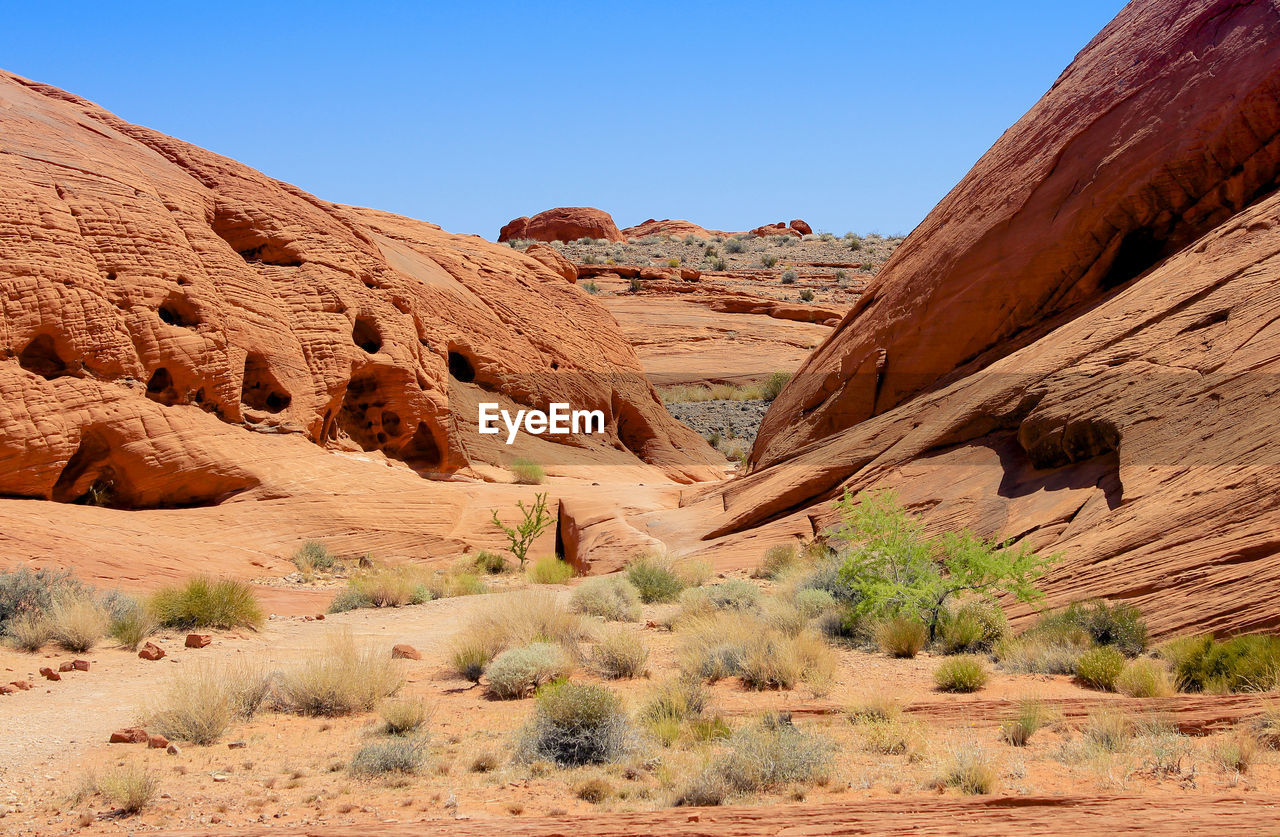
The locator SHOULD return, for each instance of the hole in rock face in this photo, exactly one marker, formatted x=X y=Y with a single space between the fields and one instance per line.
x=362 y=412
x=460 y=367
x=177 y=310
x=253 y=244
x=160 y=387
x=260 y=390
x=1138 y=251
x=41 y=357
x=87 y=478
x=365 y=335
x=422 y=451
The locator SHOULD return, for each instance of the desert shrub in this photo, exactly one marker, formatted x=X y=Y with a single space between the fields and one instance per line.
x=734 y=594
x=812 y=603
x=901 y=636
x=1041 y=655
x=777 y=661
x=1266 y=726
x=386 y=586
x=314 y=556
x=719 y=264
x=970 y=769
x=1099 y=667
x=205 y=602
x=527 y=472
x=490 y=562
x=403 y=716
x=33 y=591
x=893 y=736
x=446 y=585
x=349 y=599
x=518 y=672
x=777 y=560
x=655 y=578
x=1026 y=720
x=734 y=245
x=964 y=673
x=1234 y=753
x=1120 y=625
x=635 y=285
x=131 y=787
x=707 y=788
x=611 y=597
x=771 y=753
x=469 y=659
x=575 y=724
x=768 y=260
x=485 y=761
x=806 y=295
x=591 y=287
x=976 y=626
x=783 y=616
x=521 y=618
x=534 y=520
x=131 y=621
x=788 y=277
x=1239 y=664
x=773 y=385
x=341 y=679
x=1109 y=729
x=202 y=701
x=620 y=654
x=595 y=790
x=1144 y=678
x=77 y=621
x=679 y=699
x=28 y=631
x=550 y=570
x=395 y=755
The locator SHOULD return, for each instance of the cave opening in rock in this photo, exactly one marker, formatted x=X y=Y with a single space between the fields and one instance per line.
x=461 y=368
x=422 y=451
x=160 y=387
x=365 y=335
x=88 y=479
x=260 y=390
x=41 y=357
x=1139 y=250
x=177 y=310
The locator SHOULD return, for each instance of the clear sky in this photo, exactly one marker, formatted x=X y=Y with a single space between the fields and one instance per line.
x=855 y=116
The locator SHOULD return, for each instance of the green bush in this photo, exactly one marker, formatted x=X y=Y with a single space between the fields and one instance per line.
x=205 y=602
x=490 y=562
x=773 y=385
x=788 y=277
x=395 y=755
x=314 y=556
x=777 y=560
x=734 y=245
x=1120 y=625
x=965 y=673
x=977 y=626
x=131 y=621
x=550 y=570
x=654 y=579
x=527 y=472
x=901 y=636
x=1099 y=667
x=1239 y=664
x=349 y=598
x=575 y=724
x=611 y=597
x=518 y=672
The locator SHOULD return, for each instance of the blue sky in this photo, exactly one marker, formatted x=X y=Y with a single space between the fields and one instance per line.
x=855 y=116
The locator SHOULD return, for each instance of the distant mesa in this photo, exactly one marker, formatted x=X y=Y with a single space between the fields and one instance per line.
x=564 y=223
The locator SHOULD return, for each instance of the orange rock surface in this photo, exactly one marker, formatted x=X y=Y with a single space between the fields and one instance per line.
x=1079 y=346
x=564 y=223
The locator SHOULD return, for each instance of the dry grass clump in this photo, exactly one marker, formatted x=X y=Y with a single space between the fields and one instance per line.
x=977 y=626
x=404 y=755
x=575 y=724
x=313 y=557
x=1145 y=678
x=732 y=643
x=28 y=631
x=777 y=560
x=403 y=716
x=384 y=586
x=131 y=787
x=469 y=658
x=527 y=472
x=1266 y=727
x=620 y=654
x=203 y=700
x=131 y=622
x=1042 y=654
x=965 y=673
x=595 y=791
x=679 y=707
x=1027 y=719
x=1100 y=667
x=518 y=672
x=1109 y=730
x=779 y=661
x=894 y=736
x=655 y=578
x=1234 y=753
x=611 y=597
x=768 y=754
x=550 y=570
x=521 y=618
x=901 y=636
x=76 y=621
x=205 y=602
x=879 y=707
x=341 y=679
x=969 y=768
x=486 y=761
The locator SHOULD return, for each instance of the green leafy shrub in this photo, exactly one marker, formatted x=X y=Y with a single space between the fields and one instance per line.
x=527 y=472
x=518 y=672
x=395 y=755
x=1240 y=664
x=1120 y=625
x=773 y=385
x=490 y=562
x=534 y=520
x=550 y=570
x=1099 y=667
x=611 y=597
x=654 y=578
x=314 y=556
x=965 y=673
x=205 y=602
x=575 y=724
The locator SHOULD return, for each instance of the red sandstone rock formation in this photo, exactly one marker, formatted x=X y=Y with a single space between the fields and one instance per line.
x=564 y=223
x=801 y=227
x=673 y=227
x=551 y=257
x=1078 y=346
x=167 y=309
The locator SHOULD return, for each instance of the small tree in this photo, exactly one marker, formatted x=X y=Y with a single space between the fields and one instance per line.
x=535 y=521
x=895 y=569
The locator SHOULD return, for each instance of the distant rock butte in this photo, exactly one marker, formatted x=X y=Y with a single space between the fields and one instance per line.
x=176 y=323
x=1079 y=346
x=564 y=223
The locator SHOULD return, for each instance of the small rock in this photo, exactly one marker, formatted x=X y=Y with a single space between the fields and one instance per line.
x=405 y=652
x=49 y=674
x=65 y=667
x=173 y=749
x=651 y=624
x=319 y=617
x=198 y=640
x=80 y=665
x=130 y=735
x=151 y=651
x=157 y=742
x=22 y=685
x=7 y=690
x=237 y=745
x=220 y=777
